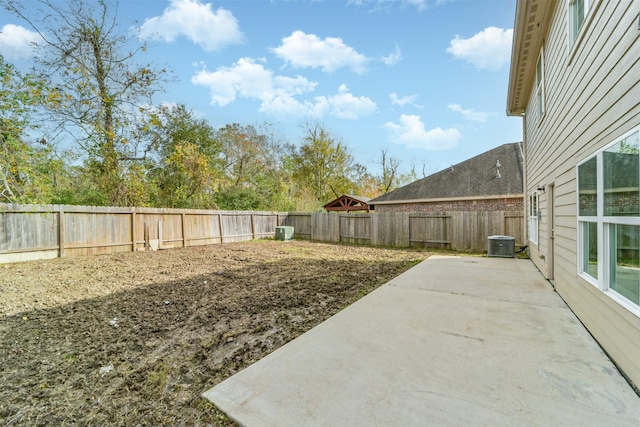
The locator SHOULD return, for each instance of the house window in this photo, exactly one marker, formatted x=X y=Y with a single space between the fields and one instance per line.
x=533 y=217
x=577 y=12
x=624 y=275
x=589 y=260
x=540 y=84
x=588 y=213
x=609 y=219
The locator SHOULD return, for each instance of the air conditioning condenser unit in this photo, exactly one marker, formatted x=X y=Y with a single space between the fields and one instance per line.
x=284 y=232
x=502 y=246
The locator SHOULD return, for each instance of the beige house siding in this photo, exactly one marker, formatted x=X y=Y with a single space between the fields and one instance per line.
x=592 y=92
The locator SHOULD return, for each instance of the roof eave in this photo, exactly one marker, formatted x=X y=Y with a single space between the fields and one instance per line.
x=532 y=20
x=512 y=108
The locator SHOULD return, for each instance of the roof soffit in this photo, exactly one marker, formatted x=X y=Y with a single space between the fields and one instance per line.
x=532 y=21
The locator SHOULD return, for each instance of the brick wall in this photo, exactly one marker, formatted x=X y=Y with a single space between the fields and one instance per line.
x=512 y=204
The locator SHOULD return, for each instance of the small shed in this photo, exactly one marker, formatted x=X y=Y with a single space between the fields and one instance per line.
x=348 y=203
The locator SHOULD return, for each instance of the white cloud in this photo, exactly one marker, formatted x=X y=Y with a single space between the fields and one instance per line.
x=420 y=5
x=405 y=100
x=346 y=106
x=393 y=58
x=489 y=49
x=410 y=131
x=279 y=95
x=211 y=30
x=474 y=116
x=245 y=78
x=16 y=42
x=302 y=50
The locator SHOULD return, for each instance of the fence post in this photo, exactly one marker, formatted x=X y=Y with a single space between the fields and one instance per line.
x=220 y=227
x=61 y=232
x=373 y=227
x=133 y=229
x=147 y=244
x=253 y=227
x=184 y=230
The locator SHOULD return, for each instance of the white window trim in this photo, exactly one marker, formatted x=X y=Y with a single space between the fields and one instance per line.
x=588 y=4
x=534 y=217
x=573 y=43
x=603 y=223
x=581 y=267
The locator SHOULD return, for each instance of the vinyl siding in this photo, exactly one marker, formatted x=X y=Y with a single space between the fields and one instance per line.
x=592 y=96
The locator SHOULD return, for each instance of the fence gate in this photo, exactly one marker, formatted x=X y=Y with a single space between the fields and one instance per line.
x=430 y=231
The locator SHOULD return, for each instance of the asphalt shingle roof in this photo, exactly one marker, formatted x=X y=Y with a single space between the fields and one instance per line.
x=495 y=172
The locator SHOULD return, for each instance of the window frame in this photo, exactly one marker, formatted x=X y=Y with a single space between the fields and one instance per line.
x=534 y=217
x=605 y=226
x=573 y=41
x=574 y=28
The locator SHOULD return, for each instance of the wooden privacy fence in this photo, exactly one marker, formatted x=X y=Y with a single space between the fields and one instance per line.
x=462 y=231
x=48 y=231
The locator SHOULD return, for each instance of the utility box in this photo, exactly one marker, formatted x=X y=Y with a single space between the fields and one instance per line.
x=284 y=232
x=502 y=246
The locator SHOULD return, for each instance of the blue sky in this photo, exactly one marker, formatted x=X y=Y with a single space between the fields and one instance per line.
x=424 y=79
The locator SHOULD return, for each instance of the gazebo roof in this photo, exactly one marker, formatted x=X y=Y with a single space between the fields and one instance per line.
x=347 y=203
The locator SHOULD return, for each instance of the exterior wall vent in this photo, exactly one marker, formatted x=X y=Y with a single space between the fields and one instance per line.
x=502 y=246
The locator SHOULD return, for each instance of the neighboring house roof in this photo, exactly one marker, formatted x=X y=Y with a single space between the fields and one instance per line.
x=348 y=202
x=497 y=172
x=533 y=18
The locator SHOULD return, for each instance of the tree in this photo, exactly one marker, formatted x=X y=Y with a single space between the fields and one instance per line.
x=323 y=164
x=244 y=150
x=29 y=172
x=256 y=177
x=367 y=184
x=389 y=176
x=188 y=167
x=276 y=179
x=101 y=86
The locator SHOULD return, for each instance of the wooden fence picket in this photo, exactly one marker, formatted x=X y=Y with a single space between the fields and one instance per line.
x=47 y=231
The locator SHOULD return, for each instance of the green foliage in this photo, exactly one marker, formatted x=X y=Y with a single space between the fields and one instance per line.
x=239 y=198
x=255 y=169
x=245 y=153
x=29 y=172
x=366 y=183
x=188 y=166
x=100 y=88
x=323 y=165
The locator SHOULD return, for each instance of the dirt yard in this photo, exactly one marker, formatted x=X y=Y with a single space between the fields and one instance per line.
x=135 y=338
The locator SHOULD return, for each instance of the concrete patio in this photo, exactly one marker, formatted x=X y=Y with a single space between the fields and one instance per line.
x=453 y=341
